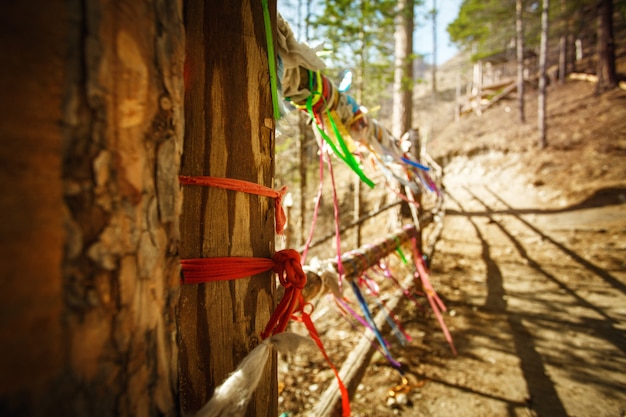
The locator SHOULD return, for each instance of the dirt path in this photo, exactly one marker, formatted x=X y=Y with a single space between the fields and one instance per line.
x=538 y=304
x=536 y=296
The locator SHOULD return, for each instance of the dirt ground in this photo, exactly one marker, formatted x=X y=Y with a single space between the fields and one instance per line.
x=531 y=264
x=539 y=301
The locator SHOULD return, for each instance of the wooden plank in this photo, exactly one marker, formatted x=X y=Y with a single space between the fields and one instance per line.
x=510 y=88
x=344 y=229
x=229 y=133
x=424 y=221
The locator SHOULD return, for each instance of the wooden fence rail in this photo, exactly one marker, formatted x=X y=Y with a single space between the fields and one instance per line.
x=355 y=263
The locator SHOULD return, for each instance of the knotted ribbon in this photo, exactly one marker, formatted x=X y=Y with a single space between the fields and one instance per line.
x=291 y=276
x=285 y=263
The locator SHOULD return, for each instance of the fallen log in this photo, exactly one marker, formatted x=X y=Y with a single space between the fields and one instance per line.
x=592 y=78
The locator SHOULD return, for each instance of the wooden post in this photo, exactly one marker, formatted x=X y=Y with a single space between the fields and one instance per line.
x=229 y=133
x=457 y=97
x=543 y=81
x=357 y=261
x=519 y=28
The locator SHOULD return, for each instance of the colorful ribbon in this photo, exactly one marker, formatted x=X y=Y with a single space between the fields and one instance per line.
x=285 y=263
x=345 y=154
x=370 y=320
x=433 y=299
x=305 y=318
x=245 y=187
x=271 y=58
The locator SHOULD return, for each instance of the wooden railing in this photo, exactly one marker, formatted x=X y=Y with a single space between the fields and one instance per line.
x=355 y=263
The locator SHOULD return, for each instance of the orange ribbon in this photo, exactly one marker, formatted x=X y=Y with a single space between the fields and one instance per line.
x=245 y=187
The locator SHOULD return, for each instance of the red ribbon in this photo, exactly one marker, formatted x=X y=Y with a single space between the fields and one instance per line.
x=285 y=263
x=345 y=398
x=291 y=276
x=245 y=187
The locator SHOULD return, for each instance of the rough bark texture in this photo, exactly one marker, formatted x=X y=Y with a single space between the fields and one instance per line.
x=94 y=139
x=519 y=30
x=543 y=54
x=607 y=75
x=401 y=117
x=229 y=134
x=403 y=69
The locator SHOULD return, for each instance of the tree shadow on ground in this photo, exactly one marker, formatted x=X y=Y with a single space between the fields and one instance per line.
x=544 y=398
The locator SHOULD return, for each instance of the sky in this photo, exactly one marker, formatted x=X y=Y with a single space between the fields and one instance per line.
x=423 y=39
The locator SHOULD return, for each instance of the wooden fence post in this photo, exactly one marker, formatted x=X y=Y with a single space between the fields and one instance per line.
x=229 y=133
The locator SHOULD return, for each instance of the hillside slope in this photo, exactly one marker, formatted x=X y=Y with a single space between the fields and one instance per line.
x=586 y=140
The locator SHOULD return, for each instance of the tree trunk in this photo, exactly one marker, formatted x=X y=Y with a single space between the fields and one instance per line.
x=92 y=138
x=306 y=137
x=229 y=134
x=563 y=43
x=434 y=67
x=402 y=115
x=607 y=75
x=543 y=53
x=519 y=26
x=403 y=69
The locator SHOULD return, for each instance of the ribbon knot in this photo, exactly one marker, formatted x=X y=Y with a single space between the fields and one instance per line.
x=288 y=267
x=291 y=276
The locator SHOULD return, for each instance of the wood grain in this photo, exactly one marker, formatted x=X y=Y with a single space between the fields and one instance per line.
x=230 y=134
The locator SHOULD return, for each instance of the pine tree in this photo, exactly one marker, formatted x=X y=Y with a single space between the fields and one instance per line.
x=607 y=76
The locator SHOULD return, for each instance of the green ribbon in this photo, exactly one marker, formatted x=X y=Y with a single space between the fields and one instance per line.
x=346 y=156
x=271 y=58
x=399 y=250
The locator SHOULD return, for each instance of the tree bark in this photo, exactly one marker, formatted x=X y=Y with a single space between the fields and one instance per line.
x=90 y=230
x=402 y=115
x=519 y=27
x=563 y=43
x=229 y=134
x=403 y=69
x=607 y=75
x=543 y=53
x=303 y=165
